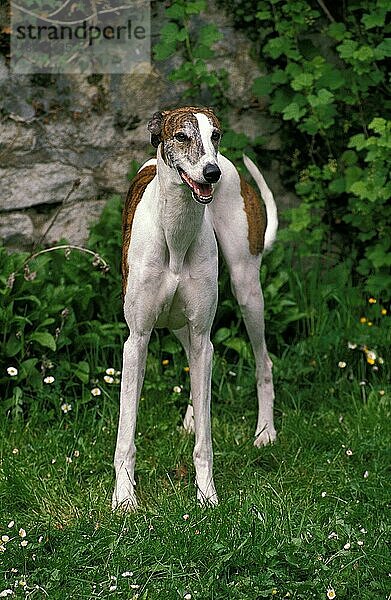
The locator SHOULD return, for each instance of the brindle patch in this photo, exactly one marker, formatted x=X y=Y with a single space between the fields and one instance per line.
x=164 y=125
x=173 y=120
x=134 y=195
x=256 y=216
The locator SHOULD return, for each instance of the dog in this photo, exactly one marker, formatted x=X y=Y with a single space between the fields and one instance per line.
x=176 y=207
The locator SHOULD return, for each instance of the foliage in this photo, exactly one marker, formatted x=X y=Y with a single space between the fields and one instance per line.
x=327 y=80
x=58 y=314
x=197 y=49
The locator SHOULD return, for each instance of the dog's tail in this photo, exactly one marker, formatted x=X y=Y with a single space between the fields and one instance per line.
x=267 y=196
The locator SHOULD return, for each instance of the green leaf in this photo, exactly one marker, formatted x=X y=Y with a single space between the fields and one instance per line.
x=44 y=339
x=375 y=19
x=337 y=186
x=358 y=141
x=82 y=371
x=170 y=345
x=353 y=174
x=13 y=346
x=379 y=254
x=279 y=76
x=383 y=50
x=231 y=139
x=182 y=34
x=379 y=125
x=337 y=31
x=264 y=15
x=331 y=78
x=168 y=41
x=323 y=97
x=222 y=335
x=262 y=86
x=300 y=218
x=302 y=81
x=347 y=49
x=310 y=125
x=349 y=157
x=293 y=112
x=281 y=45
x=364 y=54
x=27 y=368
x=208 y=35
x=194 y=8
x=176 y=11
x=281 y=98
x=202 y=52
x=240 y=346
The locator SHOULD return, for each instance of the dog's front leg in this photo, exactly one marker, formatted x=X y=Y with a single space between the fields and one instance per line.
x=200 y=358
x=133 y=369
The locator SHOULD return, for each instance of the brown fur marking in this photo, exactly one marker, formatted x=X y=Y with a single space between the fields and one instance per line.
x=174 y=119
x=134 y=195
x=256 y=216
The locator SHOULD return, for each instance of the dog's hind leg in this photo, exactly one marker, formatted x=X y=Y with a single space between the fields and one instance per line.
x=232 y=233
x=247 y=290
x=188 y=420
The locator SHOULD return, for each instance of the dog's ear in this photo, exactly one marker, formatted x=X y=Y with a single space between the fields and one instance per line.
x=155 y=128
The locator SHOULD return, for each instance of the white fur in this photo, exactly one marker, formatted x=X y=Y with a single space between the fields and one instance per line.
x=172 y=282
x=206 y=129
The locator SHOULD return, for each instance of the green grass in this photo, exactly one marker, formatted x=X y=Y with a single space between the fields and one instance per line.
x=295 y=520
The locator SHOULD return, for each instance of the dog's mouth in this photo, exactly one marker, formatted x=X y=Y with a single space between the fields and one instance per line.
x=201 y=192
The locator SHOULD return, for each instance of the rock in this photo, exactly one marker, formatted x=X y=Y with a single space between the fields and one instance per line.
x=42 y=184
x=15 y=137
x=57 y=128
x=73 y=222
x=135 y=96
x=254 y=123
x=3 y=69
x=112 y=174
x=16 y=229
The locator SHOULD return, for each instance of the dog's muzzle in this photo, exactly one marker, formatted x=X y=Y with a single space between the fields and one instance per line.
x=202 y=192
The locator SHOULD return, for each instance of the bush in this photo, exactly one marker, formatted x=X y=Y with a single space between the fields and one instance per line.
x=60 y=316
x=327 y=80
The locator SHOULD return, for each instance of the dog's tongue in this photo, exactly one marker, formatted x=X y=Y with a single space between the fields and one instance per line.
x=202 y=189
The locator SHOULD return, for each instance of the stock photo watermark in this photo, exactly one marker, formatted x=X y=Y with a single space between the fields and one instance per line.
x=66 y=36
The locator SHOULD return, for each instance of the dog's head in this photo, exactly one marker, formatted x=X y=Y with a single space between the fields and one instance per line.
x=189 y=139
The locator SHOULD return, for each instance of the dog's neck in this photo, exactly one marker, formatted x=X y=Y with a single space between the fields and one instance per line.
x=180 y=216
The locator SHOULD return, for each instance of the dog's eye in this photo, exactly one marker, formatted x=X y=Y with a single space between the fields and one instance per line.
x=216 y=136
x=180 y=136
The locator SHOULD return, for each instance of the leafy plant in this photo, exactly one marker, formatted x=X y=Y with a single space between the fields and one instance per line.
x=196 y=46
x=327 y=80
x=59 y=316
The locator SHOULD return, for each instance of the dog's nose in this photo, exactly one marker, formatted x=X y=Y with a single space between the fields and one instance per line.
x=211 y=173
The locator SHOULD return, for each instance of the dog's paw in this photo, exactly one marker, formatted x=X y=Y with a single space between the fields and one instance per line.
x=188 y=421
x=265 y=437
x=207 y=497
x=124 y=503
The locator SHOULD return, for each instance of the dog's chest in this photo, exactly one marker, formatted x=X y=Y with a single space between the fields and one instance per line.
x=171 y=310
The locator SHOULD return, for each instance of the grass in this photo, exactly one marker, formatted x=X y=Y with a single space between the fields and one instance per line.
x=304 y=518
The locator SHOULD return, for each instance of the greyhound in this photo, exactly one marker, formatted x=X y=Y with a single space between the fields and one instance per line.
x=170 y=271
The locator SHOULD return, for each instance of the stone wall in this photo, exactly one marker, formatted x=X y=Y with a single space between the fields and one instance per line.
x=58 y=130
